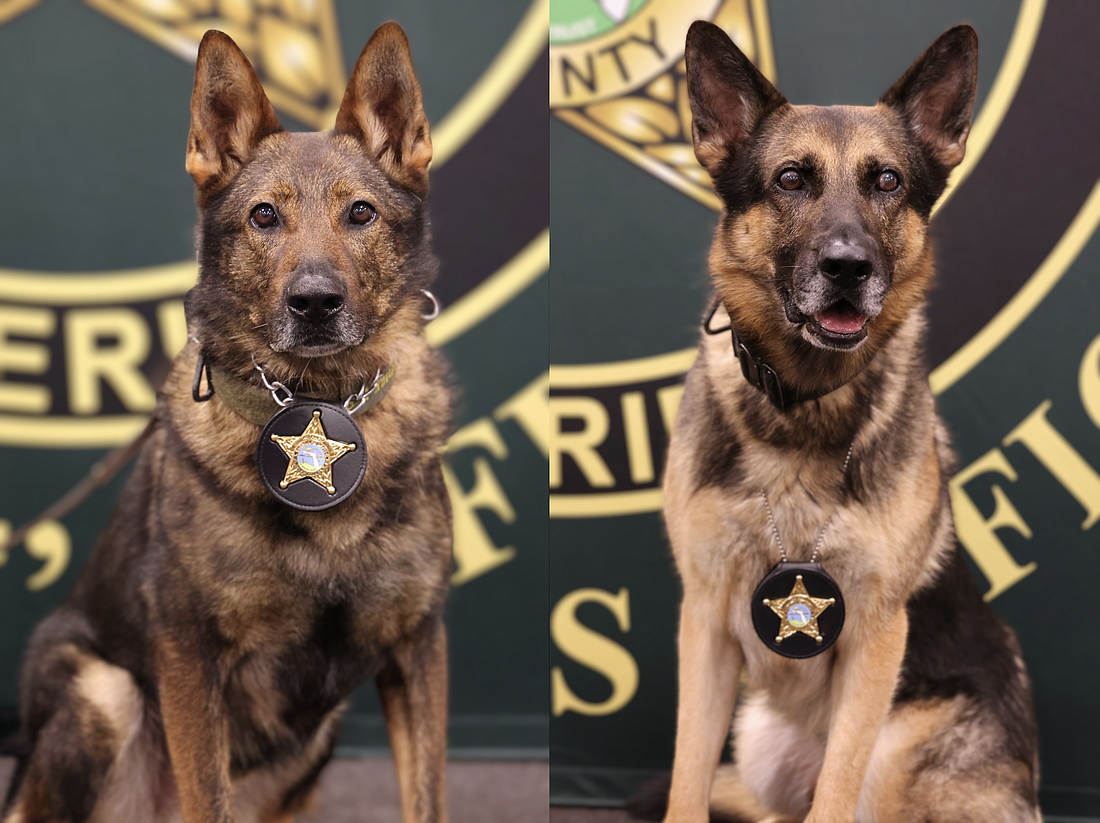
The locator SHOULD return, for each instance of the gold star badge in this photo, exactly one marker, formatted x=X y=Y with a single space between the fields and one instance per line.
x=798 y=612
x=311 y=455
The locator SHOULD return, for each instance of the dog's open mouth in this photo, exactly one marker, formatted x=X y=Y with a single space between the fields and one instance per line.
x=841 y=326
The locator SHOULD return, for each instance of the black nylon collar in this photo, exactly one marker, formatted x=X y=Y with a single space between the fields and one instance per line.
x=758 y=373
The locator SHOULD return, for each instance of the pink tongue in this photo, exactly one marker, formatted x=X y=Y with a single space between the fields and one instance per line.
x=841 y=319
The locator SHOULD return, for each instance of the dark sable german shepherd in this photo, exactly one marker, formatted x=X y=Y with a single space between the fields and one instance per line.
x=197 y=671
x=922 y=709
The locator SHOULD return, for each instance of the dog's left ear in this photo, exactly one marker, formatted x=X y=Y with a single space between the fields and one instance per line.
x=382 y=108
x=230 y=114
x=728 y=95
x=936 y=94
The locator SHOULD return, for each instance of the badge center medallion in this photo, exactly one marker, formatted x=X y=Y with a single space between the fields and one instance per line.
x=311 y=458
x=311 y=455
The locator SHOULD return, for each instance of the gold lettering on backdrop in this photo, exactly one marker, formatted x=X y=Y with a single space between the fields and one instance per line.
x=614 y=48
x=118 y=364
x=588 y=78
x=1060 y=459
x=49 y=541
x=621 y=67
x=639 y=453
x=979 y=535
x=172 y=323
x=529 y=408
x=580 y=445
x=475 y=551
x=24 y=357
x=1088 y=381
x=593 y=650
x=668 y=400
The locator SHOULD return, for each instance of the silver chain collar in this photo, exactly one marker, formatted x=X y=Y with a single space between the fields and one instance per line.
x=351 y=405
x=284 y=397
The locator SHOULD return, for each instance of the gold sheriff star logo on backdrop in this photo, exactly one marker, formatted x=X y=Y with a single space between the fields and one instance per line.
x=798 y=612
x=617 y=75
x=11 y=8
x=311 y=455
x=293 y=44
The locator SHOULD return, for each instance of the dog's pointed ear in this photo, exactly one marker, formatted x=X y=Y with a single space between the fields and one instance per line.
x=936 y=94
x=230 y=114
x=383 y=109
x=727 y=93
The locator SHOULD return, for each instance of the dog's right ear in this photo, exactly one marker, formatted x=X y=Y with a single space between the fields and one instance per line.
x=727 y=93
x=230 y=114
x=936 y=95
x=383 y=109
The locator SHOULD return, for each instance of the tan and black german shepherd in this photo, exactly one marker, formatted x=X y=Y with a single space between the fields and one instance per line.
x=197 y=671
x=922 y=710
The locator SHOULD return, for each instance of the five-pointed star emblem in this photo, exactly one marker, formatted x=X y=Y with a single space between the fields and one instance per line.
x=798 y=611
x=294 y=46
x=311 y=455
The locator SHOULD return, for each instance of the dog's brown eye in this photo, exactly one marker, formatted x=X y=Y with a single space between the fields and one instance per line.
x=790 y=180
x=264 y=216
x=362 y=213
x=888 y=181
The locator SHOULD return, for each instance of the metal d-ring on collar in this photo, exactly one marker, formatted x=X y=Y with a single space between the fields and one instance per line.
x=435 y=306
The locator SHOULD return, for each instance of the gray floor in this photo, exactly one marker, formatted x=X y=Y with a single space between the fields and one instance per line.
x=562 y=814
x=365 y=791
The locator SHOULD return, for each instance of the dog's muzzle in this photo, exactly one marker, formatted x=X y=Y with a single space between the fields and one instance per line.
x=841 y=290
x=316 y=317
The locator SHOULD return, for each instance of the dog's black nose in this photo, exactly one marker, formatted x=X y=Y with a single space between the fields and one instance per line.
x=316 y=297
x=846 y=263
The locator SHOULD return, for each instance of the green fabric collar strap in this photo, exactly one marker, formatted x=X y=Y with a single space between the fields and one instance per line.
x=258 y=405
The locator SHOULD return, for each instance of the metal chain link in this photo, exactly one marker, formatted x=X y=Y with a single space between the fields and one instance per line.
x=361 y=396
x=821 y=534
x=274 y=386
x=357 y=398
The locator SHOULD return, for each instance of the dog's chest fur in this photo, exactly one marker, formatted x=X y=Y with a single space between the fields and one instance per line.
x=296 y=608
x=889 y=522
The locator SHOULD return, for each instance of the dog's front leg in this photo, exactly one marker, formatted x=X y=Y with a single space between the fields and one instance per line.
x=413 y=689
x=866 y=673
x=196 y=730
x=710 y=664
